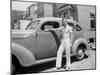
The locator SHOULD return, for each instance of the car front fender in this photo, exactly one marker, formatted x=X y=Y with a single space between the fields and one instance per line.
x=79 y=42
x=25 y=57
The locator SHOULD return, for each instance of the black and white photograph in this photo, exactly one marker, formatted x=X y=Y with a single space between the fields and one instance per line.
x=52 y=37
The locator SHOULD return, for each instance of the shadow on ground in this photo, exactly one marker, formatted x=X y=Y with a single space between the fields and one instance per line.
x=42 y=67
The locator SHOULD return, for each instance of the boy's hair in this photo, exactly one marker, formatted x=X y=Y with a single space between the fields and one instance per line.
x=65 y=14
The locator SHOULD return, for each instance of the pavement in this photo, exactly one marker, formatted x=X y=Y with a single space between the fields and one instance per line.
x=89 y=62
x=86 y=63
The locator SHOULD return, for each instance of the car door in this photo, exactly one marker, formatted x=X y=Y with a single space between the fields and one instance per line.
x=77 y=32
x=46 y=42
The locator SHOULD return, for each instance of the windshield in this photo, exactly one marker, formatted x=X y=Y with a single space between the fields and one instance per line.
x=33 y=25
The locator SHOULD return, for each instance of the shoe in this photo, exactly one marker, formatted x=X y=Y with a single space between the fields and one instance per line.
x=58 y=68
x=66 y=68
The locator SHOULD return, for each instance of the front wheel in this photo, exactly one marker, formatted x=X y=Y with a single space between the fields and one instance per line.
x=15 y=67
x=80 y=52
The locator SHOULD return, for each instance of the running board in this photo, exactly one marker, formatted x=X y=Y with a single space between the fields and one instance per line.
x=46 y=60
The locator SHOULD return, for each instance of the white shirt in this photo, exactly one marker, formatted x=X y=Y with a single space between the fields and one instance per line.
x=66 y=32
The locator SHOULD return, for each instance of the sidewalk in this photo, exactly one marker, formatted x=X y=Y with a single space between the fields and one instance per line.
x=88 y=63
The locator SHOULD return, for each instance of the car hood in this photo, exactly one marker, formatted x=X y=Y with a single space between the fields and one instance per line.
x=21 y=33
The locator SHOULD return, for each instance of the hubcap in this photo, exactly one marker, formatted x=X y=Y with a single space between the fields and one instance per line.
x=80 y=53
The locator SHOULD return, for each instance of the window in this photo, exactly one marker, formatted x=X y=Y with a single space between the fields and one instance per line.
x=92 y=21
x=50 y=25
x=33 y=25
x=91 y=40
x=71 y=24
x=78 y=28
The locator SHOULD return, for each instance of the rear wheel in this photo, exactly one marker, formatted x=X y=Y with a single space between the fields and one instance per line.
x=80 y=52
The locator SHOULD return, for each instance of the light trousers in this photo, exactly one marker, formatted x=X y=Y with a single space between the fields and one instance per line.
x=65 y=45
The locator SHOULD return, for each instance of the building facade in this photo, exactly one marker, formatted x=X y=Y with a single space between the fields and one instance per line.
x=68 y=9
x=84 y=14
x=87 y=19
x=31 y=12
x=23 y=11
x=45 y=10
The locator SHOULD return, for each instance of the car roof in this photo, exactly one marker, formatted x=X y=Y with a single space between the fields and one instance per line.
x=55 y=19
x=48 y=19
x=72 y=21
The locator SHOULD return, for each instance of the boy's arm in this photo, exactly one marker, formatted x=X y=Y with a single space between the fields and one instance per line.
x=57 y=28
x=60 y=28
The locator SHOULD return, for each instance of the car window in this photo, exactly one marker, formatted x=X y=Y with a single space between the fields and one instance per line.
x=50 y=25
x=33 y=25
x=78 y=28
x=71 y=24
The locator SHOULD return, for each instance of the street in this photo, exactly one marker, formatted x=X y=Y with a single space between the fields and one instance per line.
x=87 y=63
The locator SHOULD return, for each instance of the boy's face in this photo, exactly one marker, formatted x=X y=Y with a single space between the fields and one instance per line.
x=65 y=21
x=66 y=15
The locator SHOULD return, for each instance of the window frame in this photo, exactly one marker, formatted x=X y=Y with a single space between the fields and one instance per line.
x=92 y=18
x=77 y=25
x=27 y=28
x=48 y=24
x=73 y=25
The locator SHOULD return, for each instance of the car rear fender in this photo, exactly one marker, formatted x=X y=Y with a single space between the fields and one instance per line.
x=79 y=42
x=25 y=57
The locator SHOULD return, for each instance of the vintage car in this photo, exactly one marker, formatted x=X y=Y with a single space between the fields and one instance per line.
x=34 y=45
